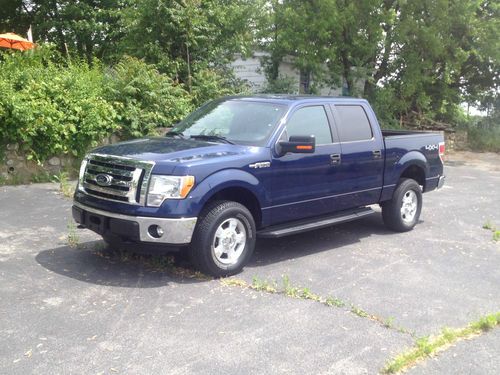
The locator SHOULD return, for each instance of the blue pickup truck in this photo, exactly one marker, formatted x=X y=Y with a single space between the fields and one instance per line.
x=239 y=168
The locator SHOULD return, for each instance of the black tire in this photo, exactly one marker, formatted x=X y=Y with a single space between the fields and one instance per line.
x=392 y=214
x=202 y=251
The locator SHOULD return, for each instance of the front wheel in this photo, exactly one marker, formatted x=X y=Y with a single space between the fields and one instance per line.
x=224 y=239
x=402 y=212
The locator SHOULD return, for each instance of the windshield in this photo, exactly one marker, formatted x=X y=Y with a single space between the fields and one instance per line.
x=243 y=122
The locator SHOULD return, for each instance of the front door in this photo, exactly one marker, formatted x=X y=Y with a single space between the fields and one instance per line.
x=303 y=185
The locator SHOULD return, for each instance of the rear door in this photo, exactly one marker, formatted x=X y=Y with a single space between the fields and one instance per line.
x=362 y=157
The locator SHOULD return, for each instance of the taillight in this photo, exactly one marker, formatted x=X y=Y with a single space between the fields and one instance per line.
x=441 y=150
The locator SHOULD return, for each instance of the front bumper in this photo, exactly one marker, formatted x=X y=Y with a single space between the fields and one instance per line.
x=134 y=228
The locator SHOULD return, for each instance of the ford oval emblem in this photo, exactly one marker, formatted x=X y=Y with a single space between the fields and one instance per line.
x=103 y=179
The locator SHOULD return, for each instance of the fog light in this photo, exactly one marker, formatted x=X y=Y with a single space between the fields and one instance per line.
x=155 y=231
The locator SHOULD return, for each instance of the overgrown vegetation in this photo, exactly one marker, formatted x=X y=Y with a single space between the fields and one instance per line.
x=431 y=345
x=50 y=107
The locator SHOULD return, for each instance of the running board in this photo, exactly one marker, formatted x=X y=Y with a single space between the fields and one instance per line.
x=314 y=223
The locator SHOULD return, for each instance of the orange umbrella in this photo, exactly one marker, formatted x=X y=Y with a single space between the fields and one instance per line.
x=11 y=40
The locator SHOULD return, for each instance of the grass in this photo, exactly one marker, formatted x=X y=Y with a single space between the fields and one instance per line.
x=496 y=232
x=431 y=345
x=332 y=301
x=264 y=285
x=73 y=238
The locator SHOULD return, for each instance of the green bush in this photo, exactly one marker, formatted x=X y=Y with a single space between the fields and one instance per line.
x=50 y=107
x=484 y=139
x=144 y=98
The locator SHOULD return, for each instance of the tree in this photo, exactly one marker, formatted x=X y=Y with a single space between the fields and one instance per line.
x=179 y=36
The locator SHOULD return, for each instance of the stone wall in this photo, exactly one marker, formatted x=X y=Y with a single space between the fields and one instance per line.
x=16 y=168
x=456 y=140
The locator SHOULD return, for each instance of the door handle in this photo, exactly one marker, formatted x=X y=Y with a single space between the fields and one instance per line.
x=377 y=154
x=335 y=159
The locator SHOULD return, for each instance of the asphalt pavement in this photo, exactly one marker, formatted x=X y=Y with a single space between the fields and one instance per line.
x=71 y=310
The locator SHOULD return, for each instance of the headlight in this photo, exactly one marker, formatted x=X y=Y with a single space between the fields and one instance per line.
x=168 y=187
x=82 y=172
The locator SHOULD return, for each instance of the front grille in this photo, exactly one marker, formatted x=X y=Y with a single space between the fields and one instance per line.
x=116 y=178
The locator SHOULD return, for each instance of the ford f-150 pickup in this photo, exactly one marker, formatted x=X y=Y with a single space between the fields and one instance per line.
x=239 y=168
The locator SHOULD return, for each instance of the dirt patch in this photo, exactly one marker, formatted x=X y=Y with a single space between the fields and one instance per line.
x=486 y=161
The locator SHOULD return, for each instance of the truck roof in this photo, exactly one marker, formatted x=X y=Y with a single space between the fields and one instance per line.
x=293 y=99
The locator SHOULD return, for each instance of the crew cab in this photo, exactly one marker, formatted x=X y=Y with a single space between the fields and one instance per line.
x=239 y=168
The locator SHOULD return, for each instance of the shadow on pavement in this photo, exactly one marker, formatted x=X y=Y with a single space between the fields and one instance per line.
x=332 y=238
x=90 y=264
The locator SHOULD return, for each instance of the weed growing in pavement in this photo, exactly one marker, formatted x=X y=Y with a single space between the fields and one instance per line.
x=73 y=238
x=496 y=232
x=306 y=293
x=65 y=186
x=389 y=322
x=431 y=345
x=332 y=301
x=292 y=291
x=360 y=312
x=288 y=289
x=488 y=225
x=264 y=285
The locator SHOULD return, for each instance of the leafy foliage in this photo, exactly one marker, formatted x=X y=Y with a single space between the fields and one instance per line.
x=52 y=108
x=143 y=98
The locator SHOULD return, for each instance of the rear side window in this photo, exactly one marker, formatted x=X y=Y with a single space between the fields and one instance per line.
x=354 y=124
x=310 y=121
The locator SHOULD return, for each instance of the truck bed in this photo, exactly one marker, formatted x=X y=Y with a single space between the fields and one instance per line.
x=407 y=133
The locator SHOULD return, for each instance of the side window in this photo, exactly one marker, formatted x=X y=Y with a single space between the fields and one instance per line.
x=354 y=124
x=310 y=121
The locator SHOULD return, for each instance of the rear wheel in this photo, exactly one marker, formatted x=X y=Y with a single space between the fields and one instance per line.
x=402 y=212
x=224 y=239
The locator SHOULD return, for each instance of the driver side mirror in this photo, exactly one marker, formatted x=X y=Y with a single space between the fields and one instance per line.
x=297 y=144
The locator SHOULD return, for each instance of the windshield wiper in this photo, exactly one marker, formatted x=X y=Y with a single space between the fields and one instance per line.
x=212 y=137
x=175 y=134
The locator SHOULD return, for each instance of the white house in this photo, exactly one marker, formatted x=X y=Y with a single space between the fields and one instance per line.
x=250 y=69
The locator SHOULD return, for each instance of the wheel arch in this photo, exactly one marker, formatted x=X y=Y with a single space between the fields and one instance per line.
x=237 y=186
x=414 y=165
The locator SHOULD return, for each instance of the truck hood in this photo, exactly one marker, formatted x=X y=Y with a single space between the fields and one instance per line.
x=169 y=153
